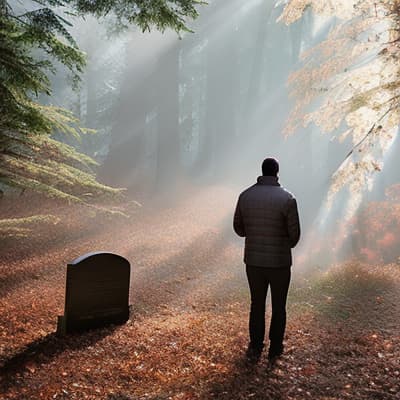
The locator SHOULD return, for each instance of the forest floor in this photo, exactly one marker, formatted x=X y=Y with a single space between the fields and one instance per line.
x=188 y=330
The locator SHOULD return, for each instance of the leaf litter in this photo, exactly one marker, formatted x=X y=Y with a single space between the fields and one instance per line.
x=187 y=334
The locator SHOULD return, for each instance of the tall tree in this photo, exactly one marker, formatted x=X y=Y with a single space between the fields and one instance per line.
x=169 y=152
x=32 y=36
x=349 y=83
x=128 y=135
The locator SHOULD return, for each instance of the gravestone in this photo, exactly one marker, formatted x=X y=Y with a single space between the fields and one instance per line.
x=97 y=292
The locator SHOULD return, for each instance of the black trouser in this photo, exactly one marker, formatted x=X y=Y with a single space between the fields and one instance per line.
x=259 y=279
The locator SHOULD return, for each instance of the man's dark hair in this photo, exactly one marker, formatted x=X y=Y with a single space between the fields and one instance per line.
x=270 y=167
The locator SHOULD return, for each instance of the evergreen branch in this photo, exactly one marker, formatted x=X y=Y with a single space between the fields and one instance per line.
x=46 y=21
x=20 y=181
x=54 y=3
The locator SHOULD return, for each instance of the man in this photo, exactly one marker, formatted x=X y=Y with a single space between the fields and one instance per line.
x=266 y=215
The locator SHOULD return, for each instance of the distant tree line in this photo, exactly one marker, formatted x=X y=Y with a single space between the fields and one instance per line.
x=205 y=100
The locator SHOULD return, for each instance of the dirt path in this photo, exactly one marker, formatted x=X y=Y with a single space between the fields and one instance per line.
x=188 y=331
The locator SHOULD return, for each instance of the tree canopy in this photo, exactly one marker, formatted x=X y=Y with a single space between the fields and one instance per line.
x=349 y=83
x=32 y=38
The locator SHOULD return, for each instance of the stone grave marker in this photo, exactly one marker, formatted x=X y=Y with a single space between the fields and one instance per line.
x=97 y=292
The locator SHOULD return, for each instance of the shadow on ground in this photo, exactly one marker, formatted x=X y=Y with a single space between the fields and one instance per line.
x=44 y=350
x=247 y=381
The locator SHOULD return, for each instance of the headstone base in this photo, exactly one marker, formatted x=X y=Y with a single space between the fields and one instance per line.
x=61 y=329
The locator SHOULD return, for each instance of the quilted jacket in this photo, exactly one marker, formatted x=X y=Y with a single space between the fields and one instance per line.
x=266 y=215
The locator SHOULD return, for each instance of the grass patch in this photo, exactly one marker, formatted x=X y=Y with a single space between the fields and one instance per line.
x=344 y=292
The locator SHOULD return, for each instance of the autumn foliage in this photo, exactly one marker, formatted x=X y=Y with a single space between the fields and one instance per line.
x=348 y=83
x=188 y=330
x=375 y=230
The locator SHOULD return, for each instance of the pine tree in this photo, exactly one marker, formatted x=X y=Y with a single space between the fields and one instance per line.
x=30 y=42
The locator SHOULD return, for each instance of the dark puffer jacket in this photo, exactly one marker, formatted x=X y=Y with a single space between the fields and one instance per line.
x=266 y=214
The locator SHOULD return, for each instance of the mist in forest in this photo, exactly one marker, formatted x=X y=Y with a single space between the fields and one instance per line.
x=204 y=110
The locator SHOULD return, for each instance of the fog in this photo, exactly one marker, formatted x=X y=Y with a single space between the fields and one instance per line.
x=203 y=111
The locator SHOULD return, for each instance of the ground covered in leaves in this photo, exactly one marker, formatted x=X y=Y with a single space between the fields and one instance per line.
x=188 y=329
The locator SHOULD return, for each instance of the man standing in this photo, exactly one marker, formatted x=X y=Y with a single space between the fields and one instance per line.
x=266 y=215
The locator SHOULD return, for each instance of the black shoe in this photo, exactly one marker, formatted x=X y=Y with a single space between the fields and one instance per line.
x=275 y=351
x=253 y=354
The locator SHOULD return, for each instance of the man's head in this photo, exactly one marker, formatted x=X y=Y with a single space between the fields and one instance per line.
x=270 y=167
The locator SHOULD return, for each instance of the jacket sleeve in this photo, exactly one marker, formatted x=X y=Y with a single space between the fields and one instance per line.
x=293 y=223
x=238 y=221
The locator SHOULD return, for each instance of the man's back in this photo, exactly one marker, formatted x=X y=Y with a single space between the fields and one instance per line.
x=266 y=214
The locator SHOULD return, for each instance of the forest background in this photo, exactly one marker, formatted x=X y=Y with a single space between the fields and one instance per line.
x=133 y=125
x=202 y=98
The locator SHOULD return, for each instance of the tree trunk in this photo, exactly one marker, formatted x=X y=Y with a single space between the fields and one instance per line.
x=168 y=159
x=127 y=137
